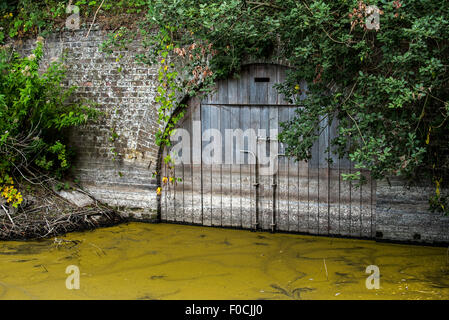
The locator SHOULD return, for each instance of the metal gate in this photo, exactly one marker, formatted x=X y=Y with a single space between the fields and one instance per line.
x=231 y=172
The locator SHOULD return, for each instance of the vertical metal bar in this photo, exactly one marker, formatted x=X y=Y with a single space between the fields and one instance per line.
x=230 y=183
x=211 y=186
x=256 y=186
x=371 y=205
x=274 y=185
x=201 y=164
x=241 y=204
x=288 y=193
x=240 y=167
x=308 y=196
x=191 y=174
x=250 y=173
x=221 y=191
x=277 y=212
x=183 y=195
x=328 y=176
x=274 y=188
x=360 y=212
x=339 y=196
x=174 y=193
x=165 y=193
x=350 y=195
x=298 y=199
x=318 y=180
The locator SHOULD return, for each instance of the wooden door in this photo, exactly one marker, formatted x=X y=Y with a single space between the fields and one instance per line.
x=245 y=181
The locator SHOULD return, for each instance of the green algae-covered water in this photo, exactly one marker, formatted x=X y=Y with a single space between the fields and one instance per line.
x=164 y=261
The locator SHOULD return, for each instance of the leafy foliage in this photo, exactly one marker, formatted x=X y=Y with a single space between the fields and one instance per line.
x=23 y=18
x=386 y=87
x=35 y=113
x=9 y=192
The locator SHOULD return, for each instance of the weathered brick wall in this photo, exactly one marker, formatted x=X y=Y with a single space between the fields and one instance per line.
x=402 y=214
x=126 y=97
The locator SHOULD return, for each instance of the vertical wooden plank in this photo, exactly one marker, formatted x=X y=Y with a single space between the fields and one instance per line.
x=283 y=179
x=303 y=196
x=272 y=94
x=263 y=149
x=231 y=121
x=236 y=180
x=334 y=183
x=215 y=179
x=293 y=185
x=281 y=77
x=265 y=203
x=213 y=97
x=252 y=85
x=223 y=124
x=181 y=184
x=314 y=183
x=216 y=171
x=259 y=90
x=188 y=175
x=273 y=114
x=206 y=168
x=366 y=206
x=243 y=86
x=245 y=168
x=226 y=195
x=345 y=197
x=254 y=126
x=345 y=203
x=246 y=172
x=196 y=170
x=323 y=197
x=303 y=179
x=355 y=205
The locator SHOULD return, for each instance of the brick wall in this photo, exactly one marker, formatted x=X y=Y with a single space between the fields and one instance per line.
x=402 y=214
x=126 y=98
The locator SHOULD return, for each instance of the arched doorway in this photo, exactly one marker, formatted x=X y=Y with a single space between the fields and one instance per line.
x=232 y=172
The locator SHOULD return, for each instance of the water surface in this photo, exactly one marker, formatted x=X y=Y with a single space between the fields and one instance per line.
x=164 y=261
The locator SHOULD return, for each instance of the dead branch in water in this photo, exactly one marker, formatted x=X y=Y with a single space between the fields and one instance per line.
x=49 y=215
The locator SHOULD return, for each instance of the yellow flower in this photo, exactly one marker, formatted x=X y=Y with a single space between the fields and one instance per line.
x=171 y=179
x=297 y=87
x=428 y=135
x=164 y=179
x=158 y=191
x=437 y=191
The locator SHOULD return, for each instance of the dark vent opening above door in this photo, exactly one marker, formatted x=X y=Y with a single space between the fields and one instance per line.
x=261 y=79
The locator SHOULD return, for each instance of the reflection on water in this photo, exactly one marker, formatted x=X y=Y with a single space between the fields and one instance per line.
x=160 y=261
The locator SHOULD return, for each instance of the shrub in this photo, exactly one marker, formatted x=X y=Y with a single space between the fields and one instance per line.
x=35 y=112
